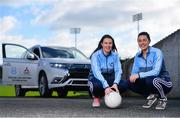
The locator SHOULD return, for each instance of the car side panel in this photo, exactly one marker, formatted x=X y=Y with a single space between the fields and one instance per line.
x=19 y=71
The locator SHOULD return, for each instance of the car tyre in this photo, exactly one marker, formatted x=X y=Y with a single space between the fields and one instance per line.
x=62 y=92
x=19 y=91
x=43 y=86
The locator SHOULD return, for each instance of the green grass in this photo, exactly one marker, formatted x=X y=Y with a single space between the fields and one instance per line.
x=7 y=91
x=10 y=91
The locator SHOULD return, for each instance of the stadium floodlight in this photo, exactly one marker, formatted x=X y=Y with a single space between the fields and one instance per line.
x=137 y=17
x=75 y=31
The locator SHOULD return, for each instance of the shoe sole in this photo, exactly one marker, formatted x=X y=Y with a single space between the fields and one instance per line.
x=146 y=107
x=96 y=106
x=160 y=108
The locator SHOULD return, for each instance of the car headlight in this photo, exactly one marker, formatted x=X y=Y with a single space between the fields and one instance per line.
x=58 y=65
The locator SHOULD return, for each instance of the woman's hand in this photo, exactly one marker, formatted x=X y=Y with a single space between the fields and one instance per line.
x=108 y=90
x=115 y=87
x=133 y=78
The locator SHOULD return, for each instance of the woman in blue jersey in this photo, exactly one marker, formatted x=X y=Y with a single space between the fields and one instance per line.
x=105 y=71
x=149 y=76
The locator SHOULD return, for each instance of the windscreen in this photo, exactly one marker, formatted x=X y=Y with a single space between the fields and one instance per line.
x=51 y=52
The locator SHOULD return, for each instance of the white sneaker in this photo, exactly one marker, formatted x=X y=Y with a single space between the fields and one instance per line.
x=151 y=99
x=161 y=104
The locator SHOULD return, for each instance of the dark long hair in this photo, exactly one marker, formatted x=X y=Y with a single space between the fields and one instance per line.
x=101 y=41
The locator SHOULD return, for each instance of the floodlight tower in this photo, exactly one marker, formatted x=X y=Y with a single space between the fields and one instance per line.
x=137 y=17
x=75 y=31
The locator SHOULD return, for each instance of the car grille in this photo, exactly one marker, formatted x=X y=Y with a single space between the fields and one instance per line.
x=79 y=70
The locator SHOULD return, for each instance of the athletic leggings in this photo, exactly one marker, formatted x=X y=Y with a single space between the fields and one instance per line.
x=96 y=87
x=144 y=86
x=151 y=85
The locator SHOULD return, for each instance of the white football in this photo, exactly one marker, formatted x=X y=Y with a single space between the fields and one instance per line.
x=113 y=99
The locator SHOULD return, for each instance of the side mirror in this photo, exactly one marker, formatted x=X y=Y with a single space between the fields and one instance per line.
x=31 y=56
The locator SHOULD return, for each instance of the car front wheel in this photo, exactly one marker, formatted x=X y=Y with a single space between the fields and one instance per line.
x=62 y=92
x=43 y=86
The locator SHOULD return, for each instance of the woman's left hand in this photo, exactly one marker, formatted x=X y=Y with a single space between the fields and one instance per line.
x=133 y=78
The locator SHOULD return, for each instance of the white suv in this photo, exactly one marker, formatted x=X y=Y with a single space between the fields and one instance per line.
x=45 y=68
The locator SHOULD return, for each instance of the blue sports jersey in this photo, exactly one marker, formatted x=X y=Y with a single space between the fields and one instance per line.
x=106 y=64
x=153 y=65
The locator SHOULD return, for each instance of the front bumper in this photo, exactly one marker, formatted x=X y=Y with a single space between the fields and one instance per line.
x=75 y=76
x=66 y=81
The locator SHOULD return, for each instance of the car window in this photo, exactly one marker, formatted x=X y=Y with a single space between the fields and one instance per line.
x=14 y=51
x=56 y=53
x=50 y=52
x=78 y=54
x=36 y=51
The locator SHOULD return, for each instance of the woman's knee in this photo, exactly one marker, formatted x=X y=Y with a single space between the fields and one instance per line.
x=123 y=85
x=96 y=88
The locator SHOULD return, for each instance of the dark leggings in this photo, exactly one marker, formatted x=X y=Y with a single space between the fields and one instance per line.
x=144 y=87
x=96 y=87
x=151 y=85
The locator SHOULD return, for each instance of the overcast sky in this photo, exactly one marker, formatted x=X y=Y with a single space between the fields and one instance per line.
x=48 y=22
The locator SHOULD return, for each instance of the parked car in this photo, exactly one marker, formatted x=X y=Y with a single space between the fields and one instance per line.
x=45 y=68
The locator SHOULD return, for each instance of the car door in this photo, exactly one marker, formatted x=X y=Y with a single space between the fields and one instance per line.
x=19 y=65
